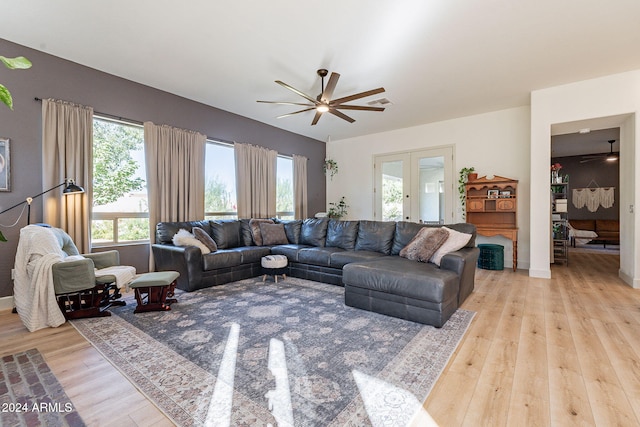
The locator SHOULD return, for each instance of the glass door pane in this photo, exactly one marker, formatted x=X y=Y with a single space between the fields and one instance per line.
x=432 y=186
x=392 y=185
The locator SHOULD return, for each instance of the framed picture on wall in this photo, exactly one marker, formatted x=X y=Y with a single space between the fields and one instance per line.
x=5 y=165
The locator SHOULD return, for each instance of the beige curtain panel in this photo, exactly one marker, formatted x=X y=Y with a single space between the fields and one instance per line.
x=175 y=174
x=300 y=186
x=67 y=147
x=255 y=181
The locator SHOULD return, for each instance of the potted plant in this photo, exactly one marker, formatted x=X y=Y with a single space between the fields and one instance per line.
x=331 y=167
x=337 y=210
x=462 y=180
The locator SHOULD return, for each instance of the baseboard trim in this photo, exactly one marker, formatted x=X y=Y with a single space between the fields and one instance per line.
x=542 y=274
x=6 y=303
x=634 y=283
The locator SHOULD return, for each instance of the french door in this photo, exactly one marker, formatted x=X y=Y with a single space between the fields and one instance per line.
x=415 y=186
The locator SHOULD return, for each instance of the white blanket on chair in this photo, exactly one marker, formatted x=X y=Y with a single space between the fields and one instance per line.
x=33 y=293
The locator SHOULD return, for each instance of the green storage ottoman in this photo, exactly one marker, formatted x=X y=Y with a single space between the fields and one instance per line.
x=491 y=256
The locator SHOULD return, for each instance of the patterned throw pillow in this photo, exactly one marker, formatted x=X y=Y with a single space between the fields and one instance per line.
x=204 y=237
x=254 y=223
x=424 y=244
x=455 y=241
x=273 y=234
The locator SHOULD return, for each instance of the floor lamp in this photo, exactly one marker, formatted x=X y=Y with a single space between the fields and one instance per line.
x=70 y=187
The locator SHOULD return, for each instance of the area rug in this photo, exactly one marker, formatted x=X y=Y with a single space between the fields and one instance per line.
x=289 y=354
x=30 y=395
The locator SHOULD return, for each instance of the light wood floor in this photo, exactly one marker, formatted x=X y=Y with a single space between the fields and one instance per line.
x=539 y=352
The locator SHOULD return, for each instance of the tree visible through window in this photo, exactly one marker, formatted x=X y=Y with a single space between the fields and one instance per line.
x=284 y=188
x=220 y=200
x=120 y=208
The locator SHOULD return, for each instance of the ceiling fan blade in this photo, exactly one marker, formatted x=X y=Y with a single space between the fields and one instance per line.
x=294 y=90
x=331 y=85
x=358 y=107
x=286 y=103
x=356 y=96
x=296 y=112
x=341 y=115
x=316 y=118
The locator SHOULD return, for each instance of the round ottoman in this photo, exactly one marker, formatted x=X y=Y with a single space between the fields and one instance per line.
x=274 y=265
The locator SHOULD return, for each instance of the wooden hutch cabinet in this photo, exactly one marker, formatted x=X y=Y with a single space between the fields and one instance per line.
x=492 y=206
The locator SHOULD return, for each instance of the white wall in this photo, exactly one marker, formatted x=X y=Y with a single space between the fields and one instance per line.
x=495 y=143
x=616 y=96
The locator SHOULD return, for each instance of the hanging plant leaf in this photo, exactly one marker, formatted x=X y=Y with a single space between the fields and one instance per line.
x=2 y=238
x=17 y=63
x=5 y=96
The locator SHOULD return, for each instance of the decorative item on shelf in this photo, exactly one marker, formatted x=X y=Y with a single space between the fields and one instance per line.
x=331 y=167
x=337 y=210
x=556 y=178
x=505 y=194
x=462 y=180
x=493 y=194
x=70 y=188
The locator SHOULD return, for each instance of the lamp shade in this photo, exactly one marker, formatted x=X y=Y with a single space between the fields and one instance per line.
x=72 y=188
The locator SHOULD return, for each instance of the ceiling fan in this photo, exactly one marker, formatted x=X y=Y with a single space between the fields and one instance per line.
x=609 y=157
x=324 y=103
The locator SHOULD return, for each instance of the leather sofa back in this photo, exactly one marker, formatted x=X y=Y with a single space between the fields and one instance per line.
x=376 y=236
x=166 y=230
x=226 y=233
x=342 y=234
x=314 y=231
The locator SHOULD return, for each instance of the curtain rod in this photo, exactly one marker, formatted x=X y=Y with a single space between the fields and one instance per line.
x=135 y=122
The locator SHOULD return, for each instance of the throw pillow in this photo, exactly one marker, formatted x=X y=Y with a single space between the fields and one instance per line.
x=456 y=241
x=184 y=238
x=204 y=237
x=424 y=244
x=254 y=223
x=273 y=234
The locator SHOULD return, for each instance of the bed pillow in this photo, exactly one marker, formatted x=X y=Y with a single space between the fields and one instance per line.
x=204 y=237
x=456 y=241
x=273 y=234
x=254 y=223
x=184 y=238
x=424 y=244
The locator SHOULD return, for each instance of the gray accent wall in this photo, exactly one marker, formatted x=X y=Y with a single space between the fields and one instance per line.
x=52 y=77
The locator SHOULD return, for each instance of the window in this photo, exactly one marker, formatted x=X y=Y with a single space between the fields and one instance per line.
x=284 y=188
x=120 y=208
x=220 y=200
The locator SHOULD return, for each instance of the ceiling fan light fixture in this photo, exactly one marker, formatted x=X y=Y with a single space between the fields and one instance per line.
x=322 y=108
x=612 y=157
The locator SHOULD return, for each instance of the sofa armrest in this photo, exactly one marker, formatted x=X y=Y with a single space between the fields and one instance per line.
x=186 y=260
x=463 y=263
x=73 y=276
x=104 y=259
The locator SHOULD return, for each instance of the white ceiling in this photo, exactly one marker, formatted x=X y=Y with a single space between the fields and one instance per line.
x=437 y=59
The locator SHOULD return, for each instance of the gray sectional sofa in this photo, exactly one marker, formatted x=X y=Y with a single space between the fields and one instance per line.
x=360 y=255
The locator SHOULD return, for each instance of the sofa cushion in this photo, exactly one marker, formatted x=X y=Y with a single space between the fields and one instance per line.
x=314 y=231
x=226 y=233
x=273 y=234
x=221 y=259
x=317 y=256
x=583 y=224
x=375 y=236
x=166 y=230
x=246 y=239
x=425 y=243
x=342 y=234
x=249 y=254
x=292 y=228
x=254 y=224
x=454 y=242
x=290 y=251
x=610 y=225
x=402 y=277
x=340 y=259
x=204 y=237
